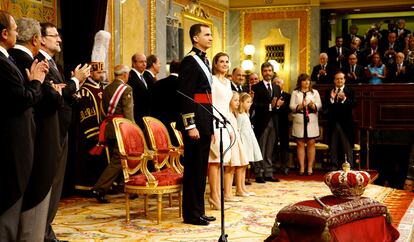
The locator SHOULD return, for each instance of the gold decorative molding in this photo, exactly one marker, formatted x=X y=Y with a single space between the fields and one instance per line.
x=152 y=17
x=197 y=10
x=302 y=14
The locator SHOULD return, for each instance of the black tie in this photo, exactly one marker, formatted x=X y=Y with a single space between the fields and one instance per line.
x=269 y=89
x=337 y=92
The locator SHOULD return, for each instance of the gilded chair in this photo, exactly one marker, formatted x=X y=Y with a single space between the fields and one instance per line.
x=160 y=142
x=138 y=179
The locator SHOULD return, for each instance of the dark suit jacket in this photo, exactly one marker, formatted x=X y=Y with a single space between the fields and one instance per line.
x=359 y=72
x=323 y=79
x=239 y=89
x=17 y=131
x=261 y=101
x=283 y=117
x=165 y=96
x=149 y=79
x=68 y=93
x=348 y=39
x=404 y=76
x=340 y=113
x=142 y=97
x=333 y=56
x=47 y=137
x=191 y=81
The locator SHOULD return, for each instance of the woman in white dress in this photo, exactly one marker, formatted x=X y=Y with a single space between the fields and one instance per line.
x=305 y=104
x=221 y=96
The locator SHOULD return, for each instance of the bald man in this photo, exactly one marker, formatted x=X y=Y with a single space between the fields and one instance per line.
x=124 y=108
x=141 y=88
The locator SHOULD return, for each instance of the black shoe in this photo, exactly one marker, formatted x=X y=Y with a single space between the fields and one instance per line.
x=271 y=179
x=208 y=218
x=247 y=183
x=196 y=221
x=260 y=180
x=99 y=196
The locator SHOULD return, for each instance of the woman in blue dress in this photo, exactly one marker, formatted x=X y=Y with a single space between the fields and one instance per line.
x=376 y=71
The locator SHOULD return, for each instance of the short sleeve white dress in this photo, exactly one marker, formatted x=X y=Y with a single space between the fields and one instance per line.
x=250 y=144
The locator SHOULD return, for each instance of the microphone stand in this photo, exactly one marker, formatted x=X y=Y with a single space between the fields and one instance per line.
x=223 y=122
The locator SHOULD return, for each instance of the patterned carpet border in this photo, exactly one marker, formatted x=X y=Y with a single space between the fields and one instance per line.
x=82 y=219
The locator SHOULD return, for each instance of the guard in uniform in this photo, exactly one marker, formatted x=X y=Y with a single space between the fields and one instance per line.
x=196 y=123
x=89 y=167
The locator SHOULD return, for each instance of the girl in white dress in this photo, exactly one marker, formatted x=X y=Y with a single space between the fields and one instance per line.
x=221 y=96
x=250 y=145
x=238 y=161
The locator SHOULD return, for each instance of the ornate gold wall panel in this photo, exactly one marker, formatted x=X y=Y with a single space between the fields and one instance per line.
x=252 y=17
x=41 y=10
x=132 y=30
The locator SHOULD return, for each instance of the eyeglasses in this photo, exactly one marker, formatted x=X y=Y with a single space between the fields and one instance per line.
x=53 y=35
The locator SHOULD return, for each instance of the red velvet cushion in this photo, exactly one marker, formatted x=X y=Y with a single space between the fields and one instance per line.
x=166 y=177
x=342 y=211
x=132 y=139
x=160 y=135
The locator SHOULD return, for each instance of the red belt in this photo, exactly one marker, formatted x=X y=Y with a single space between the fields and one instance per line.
x=203 y=98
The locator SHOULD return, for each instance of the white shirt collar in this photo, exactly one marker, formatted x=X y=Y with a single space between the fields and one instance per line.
x=267 y=82
x=24 y=49
x=137 y=72
x=47 y=56
x=4 y=51
x=174 y=74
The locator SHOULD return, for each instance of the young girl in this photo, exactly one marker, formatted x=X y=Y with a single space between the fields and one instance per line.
x=238 y=160
x=250 y=144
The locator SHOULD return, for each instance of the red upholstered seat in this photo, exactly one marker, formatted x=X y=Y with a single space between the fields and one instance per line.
x=160 y=142
x=134 y=157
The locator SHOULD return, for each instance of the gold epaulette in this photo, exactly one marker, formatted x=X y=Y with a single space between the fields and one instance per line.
x=188 y=119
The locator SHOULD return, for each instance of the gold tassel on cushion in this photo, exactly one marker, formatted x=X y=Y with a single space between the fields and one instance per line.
x=326 y=235
x=275 y=229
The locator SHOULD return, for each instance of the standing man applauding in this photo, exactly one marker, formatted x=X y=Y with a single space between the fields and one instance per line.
x=196 y=124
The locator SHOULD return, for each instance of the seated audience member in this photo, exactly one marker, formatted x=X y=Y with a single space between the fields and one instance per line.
x=409 y=185
x=373 y=32
x=402 y=32
x=368 y=52
x=400 y=71
x=323 y=73
x=409 y=50
x=354 y=73
x=353 y=33
x=390 y=48
x=338 y=54
x=376 y=71
x=356 y=49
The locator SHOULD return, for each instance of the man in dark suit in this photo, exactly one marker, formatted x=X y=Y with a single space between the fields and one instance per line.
x=165 y=96
x=400 y=71
x=266 y=95
x=282 y=138
x=123 y=107
x=37 y=195
x=323 y=73
x=402 y=32
x=353 y=32
x=17 y=128
x=338 y=104
x=196 y=123
x=152 y=69
x=50 y=46
x=141 y=88
x=237 y=80
x=390 y=48
x=368 y=52
x=354 y=73
x=338 y=54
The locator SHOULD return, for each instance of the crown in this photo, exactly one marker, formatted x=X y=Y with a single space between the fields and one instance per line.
x=347 y=183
